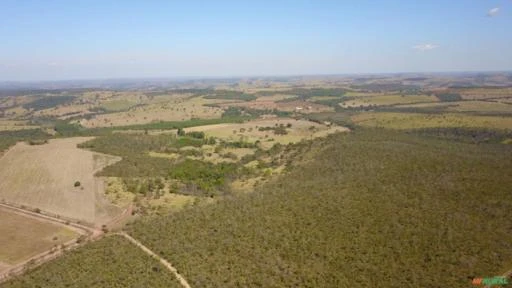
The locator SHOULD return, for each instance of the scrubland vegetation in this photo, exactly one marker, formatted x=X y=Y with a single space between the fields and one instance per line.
x=9 y=138
x=371 y=208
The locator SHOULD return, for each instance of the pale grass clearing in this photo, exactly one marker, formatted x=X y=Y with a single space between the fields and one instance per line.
x=17 y=111
x=289 y=106
x=43 y=177
x=277 y=97
x=248 y=131
x=387 y=100
x=116 y=193
x=239 y=152
x=416 y=120
x=245 y=185
x=11 y=125
x=467 y=106
x=175 y=110
x=484 y=93
x=24 y=237
x=170 y=202
x=319 y=98
x=117 y=105
x=171 y=156
x=363 y=94
x=65 y=111
x=209 y=154
x=12 y=101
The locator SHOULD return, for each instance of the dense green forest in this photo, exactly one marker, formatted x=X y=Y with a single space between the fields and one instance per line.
x=134 y=149
x=470 y=135
x=372 y=208
x=448 y=97
x=110 y=262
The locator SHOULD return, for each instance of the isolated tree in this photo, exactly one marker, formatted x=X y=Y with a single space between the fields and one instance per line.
x=77 y=184
x=181 y=132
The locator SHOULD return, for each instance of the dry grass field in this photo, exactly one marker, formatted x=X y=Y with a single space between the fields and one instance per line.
x=168 y=202
x=290 y=106
x=44 y=176
x=172 y=110
x=387 y=100
x=467 y=106
x=64 y=112
x=485 y=93
x=23 y=237
x=10 y=125
x=249 y=131
x=413 y=120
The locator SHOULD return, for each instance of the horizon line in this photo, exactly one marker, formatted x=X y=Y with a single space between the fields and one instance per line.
x=232 y=77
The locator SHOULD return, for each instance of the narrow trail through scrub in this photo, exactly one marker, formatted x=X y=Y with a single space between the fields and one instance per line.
x=164 y=262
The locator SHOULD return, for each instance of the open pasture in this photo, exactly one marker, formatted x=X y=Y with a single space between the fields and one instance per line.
x=467 y=106
x=57 y=178
x=484 y=93
x=25 y=236
x=259 y=130
x=417 y=120
x=172 y=110
x=10 y=125
x=287 y=106
x=387 y=100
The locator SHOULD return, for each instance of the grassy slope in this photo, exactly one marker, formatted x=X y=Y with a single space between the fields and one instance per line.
x=110 y=262
x=374 y=209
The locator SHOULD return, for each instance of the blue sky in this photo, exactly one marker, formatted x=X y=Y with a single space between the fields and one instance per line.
x=53 y=40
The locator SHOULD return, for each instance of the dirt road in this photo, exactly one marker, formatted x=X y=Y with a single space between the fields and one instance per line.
x=90 y=234
x=164 y=262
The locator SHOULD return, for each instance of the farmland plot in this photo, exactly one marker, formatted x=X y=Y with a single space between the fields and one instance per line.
x=24 y=237
x=57 y=178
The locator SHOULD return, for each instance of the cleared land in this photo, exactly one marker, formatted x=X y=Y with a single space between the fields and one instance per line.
x=250 y=131
x=387 y=100
x=466 y=106
x=485 y=93
x=416 y=120
x=10 y=125
x=287 y=106
x=172 y=110
x=44 y=176
x=24 y=237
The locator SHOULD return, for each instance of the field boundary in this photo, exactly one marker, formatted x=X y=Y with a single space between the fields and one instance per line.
x=39 y=259
x=164 y=262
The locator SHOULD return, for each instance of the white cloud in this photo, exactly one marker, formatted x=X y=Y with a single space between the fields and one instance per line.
x=53 y=64
x=425 y=47
x=493 y=12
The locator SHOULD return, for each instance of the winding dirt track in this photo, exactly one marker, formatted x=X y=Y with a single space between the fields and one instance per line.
x=92 y=234
x=164 y=262
x=48 y=255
